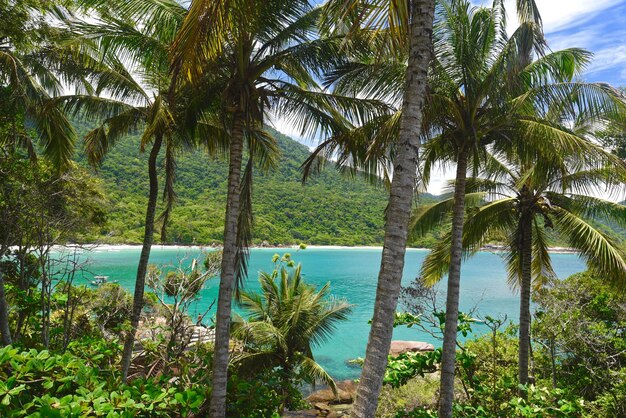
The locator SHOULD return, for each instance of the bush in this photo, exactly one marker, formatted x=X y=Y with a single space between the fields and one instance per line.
x=40 y=384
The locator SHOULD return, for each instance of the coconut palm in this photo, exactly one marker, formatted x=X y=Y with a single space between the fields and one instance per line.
x=32 y=71
x=524 y=199
x=267 y=57
x=485 y=93
x=402 y=26
x=134 y=91
x=474 y=71
x=373 y=146
x=287 y=319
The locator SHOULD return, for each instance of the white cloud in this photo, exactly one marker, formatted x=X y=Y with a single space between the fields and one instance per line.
x=607 y=58
x=560 y=14
x=580 y=39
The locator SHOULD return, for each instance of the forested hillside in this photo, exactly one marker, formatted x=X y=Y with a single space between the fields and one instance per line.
x=330 y=209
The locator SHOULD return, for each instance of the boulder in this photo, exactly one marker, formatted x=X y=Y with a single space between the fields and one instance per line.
x=306 y=413
x=323 y=408
x=339 y=411
x=346 y=391
x=400 y=347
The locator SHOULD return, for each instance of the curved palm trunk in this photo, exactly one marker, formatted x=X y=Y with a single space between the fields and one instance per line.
x=5 y=331
x=398 y=211
x=526 y=281
x=227 y=276
x=148 y=238
x=448 y=356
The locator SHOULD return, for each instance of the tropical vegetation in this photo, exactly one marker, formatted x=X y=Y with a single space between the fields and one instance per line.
x=285 y=321
x=108 y=104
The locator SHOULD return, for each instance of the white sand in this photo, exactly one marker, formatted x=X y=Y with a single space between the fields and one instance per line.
x=137 y=247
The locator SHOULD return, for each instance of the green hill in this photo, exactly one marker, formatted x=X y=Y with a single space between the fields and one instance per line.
x=331 y=209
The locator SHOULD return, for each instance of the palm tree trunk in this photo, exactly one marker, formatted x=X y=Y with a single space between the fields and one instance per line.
x=22 y=314
x=448 y=356
x=398 y=211
x=4 y=314
x=227 y=276
x=148 y=238
x=524 y=312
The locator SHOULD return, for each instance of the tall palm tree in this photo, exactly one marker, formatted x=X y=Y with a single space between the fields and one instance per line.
x=372 y=147
x=485 y=93
x=472 y=57
x=404 y=31
x=286 y=320
x=133 y=91
x=524 y=198
x=266 y=56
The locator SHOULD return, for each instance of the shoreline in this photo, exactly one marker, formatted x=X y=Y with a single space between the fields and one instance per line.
x=121 y=247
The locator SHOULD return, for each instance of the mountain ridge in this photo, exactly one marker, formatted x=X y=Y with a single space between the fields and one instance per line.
x=329 y=209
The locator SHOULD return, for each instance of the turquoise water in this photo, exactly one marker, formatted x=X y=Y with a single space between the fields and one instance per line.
x=352 y=273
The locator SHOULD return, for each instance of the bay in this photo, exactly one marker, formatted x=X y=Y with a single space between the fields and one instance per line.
x=352 y=273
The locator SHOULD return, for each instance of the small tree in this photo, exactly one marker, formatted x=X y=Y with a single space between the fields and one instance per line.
x=176 y=290
x=287 y=319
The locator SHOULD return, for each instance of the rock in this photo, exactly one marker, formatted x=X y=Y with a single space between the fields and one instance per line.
x=346 y=390
x=339 y=410
x=400 y=347
x=307 y=413
x=349 y=386
x=323 y=408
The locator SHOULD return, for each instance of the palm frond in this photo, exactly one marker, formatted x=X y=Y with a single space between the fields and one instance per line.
x=427 y=217
x=244 y=228
x=601 y=252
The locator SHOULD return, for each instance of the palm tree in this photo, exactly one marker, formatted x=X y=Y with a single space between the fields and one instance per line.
x=286 y=320
x=472 y=60
x=485 y=93
x=399 y=27
x=266 y=56
x=524 y=199
x=455 y=85
x=32 y=71
x=132 y=42
x=482 y=90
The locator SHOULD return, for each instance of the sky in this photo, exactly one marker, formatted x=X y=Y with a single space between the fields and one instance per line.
x=598 y=26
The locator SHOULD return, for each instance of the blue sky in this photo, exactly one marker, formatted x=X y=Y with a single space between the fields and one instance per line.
x=596 y=25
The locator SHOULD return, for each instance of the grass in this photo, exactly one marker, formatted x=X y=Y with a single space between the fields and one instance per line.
x=419 y=391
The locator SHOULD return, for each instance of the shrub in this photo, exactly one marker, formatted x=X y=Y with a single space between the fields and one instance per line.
x=41 y=384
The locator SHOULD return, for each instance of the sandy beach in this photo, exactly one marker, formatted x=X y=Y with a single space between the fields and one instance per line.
x=137 y=247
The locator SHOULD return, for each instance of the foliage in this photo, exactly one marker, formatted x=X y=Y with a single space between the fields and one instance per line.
x=286 y=320
x=329 y=210
x=43 y=384
x=176 y=289
x=260 y=395
x=419 y=391
x=580 y=325
x=487 y=371
x=578 y=352
x=402 y=368
x=34 y=67
x=37 y=201
x=536 y=402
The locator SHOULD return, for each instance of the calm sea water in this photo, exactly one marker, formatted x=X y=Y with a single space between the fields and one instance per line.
x=352 y=274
